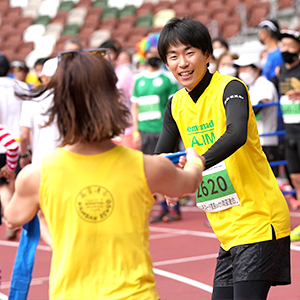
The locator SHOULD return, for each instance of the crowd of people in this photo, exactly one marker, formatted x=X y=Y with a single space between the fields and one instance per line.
x=80 y=121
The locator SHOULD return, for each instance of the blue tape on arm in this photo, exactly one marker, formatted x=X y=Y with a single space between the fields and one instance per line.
x=174 y=157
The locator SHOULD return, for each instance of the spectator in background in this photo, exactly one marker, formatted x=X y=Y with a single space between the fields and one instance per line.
x=33 y=78
x=261 y=90
x=225 y=64
x=124 y=58
x=38 y=66
x=19 y=70
x=269 y=34
x=124 y=84
x=42 y=141
x=72 y=44
x=10 y=111
x=219 y=47
x=288 y=79
x=150 y=96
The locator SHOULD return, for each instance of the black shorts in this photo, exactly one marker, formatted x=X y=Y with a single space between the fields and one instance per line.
x=149 y=141
x=292 y=155
x=264 y=261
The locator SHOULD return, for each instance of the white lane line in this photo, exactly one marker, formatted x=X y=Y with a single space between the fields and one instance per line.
x=184 y=279
x=3 y=297
x=295 y=214
x=184 y=260
x=34 y=281
x=295 y=247
x=162 y=236
x=16 y=245
x=183 y=232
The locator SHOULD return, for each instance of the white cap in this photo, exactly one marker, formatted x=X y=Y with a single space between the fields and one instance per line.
x=49 y=67
x=248 y=59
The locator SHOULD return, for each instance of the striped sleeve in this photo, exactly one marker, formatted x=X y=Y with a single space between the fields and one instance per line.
x=12 y=148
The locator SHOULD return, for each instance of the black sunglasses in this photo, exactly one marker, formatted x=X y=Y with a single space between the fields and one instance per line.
x=96 y=51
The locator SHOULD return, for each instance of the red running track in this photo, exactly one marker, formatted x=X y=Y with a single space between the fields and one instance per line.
x=184 y=255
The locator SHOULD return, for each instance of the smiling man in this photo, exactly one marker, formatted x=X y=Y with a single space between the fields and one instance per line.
x=239 y=192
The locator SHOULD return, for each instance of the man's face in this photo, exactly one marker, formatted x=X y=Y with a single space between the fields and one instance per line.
x=289 y=45
x=187 y=64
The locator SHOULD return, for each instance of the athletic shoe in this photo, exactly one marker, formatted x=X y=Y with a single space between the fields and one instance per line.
x=11 y=234
x=207 y=224
x=159 y=217
x=172 y=217
x=295 y=204
x=295 y=234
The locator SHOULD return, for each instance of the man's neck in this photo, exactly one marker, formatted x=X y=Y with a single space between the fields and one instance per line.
x=152 y=69
x=293 y=64
x=271 y=45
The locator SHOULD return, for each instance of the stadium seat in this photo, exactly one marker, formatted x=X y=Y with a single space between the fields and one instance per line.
x=220 y=14
x=108 y=23
x=13 y=12
x=101 y=3
x=232 y=4
x=77 y=16
x=45 y=45
x=18 y=3
x=128 y=10
x=66 y=5
x=202 y=15
x=257 y=13
x=282 y=4
x=162 y=17
x=141 y=31
x=214 y=4
x=44 y=20
x=31 y=11
x=110 y=12
x=14 y=37
x=84 y=3
x=54 y=29
x=161 y=5
x=71 y=29
x=23 y=22
x=61 y=17
x=48 y=8
x=180 y=8
x=98 y=37
x=24 y=49
x=144 y=21
x=145 y=9
x=231 y=28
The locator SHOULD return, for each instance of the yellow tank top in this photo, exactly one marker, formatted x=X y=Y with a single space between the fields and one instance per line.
x=97 y=210
x=261 y=203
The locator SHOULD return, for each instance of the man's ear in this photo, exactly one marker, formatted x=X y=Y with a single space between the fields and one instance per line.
x=168 y=67
x=207 y=57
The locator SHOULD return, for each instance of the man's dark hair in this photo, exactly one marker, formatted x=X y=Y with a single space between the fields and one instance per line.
x=4 y=65
x=184 y=31
x=273 y=30
x=40 y=61
x=221 y=41
x=113 y=45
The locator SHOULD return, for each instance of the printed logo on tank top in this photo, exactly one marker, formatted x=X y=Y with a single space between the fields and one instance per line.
x=202 y=134
x=94 y=204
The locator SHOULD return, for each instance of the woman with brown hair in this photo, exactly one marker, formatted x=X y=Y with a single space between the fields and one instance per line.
x=96 y=196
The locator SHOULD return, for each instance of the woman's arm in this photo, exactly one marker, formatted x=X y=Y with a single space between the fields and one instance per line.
x=25 y=201
x=165 y=178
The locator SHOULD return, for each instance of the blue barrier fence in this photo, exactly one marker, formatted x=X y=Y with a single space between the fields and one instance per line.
x=279 y=132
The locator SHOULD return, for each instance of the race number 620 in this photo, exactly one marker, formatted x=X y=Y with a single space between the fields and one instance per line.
x=212 y=187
